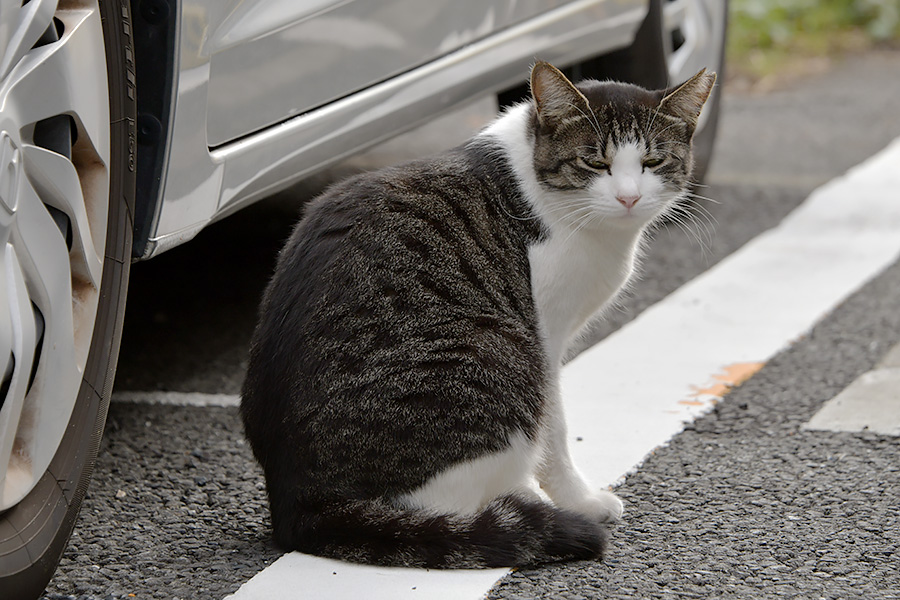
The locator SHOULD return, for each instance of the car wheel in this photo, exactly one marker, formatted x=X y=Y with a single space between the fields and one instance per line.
x=67 y=143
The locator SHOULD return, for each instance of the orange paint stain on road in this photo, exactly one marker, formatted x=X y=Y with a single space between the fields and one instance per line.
x=731 y=376
x=692 y=402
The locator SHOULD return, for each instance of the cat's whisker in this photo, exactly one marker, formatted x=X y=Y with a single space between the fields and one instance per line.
x=699 y=232
x=517 y=218
x=707 y=218
x=707 y=229
x=696 y=196
x=568 y=205
x=652 y=120
x=575 y=216
x=581 y=225
x=701 y=217
x=573 y=209
x=693 y=235
x=569 y=202
x=696 y=205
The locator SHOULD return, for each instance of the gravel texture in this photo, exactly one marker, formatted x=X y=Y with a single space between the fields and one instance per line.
x=177 y=509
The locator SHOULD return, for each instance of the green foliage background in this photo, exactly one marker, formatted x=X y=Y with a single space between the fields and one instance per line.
x=766 y=34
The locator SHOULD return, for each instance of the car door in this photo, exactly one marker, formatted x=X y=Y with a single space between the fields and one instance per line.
x=274 y=59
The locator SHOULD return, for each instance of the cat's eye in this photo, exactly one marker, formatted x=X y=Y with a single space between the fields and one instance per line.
x=651 y=163
x=593 y=164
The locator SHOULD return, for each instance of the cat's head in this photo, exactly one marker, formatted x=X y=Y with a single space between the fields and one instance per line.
x=613 y=153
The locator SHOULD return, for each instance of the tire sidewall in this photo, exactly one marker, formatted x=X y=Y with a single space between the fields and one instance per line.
x=50 y=510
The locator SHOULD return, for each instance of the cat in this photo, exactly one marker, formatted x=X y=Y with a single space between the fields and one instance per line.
x=402 y=394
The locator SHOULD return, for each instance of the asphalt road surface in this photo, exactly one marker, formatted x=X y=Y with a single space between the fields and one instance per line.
x=744 y=503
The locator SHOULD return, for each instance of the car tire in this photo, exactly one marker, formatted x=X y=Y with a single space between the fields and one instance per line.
x=35 y=529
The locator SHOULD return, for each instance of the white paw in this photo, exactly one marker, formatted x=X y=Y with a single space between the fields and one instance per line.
x=603 y=506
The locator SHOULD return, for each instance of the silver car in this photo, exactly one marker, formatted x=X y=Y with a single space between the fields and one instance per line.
x=127 y=127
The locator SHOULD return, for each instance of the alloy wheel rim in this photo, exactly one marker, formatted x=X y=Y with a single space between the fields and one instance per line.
x=54 y=190
x=692 y=31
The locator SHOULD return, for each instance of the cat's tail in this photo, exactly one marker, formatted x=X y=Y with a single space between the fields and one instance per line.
x=511 y=531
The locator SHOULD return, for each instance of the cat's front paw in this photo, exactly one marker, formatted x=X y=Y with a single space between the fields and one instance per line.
x=602 y=506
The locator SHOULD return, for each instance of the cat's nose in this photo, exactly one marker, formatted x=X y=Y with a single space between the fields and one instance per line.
x=628 y=201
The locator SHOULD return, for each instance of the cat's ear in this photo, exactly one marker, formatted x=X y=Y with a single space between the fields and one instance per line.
x=687 y=101
x=554 y=96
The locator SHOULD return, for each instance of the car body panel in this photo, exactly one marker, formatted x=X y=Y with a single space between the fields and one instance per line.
x=203 y=183
x=270 y=70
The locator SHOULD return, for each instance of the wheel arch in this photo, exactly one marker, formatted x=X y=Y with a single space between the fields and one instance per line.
x=155 y=31
x=642 y=63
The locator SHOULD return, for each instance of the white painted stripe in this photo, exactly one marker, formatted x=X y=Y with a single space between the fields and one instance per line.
x=633 y=392
x=891 y=360
x=177 y=398
x=870 y=403
x=298 y=575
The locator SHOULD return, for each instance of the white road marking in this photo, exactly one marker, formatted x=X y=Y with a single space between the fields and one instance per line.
x=298 y=575
x=870 y=403
x=177 y=398
x=635 y=390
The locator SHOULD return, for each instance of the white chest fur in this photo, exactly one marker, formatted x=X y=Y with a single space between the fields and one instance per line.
x=573 y=276
x=576 y=270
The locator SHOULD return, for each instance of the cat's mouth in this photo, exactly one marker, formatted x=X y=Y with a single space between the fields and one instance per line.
x=637 y=213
